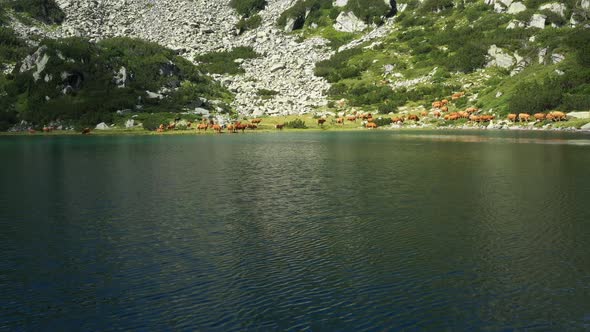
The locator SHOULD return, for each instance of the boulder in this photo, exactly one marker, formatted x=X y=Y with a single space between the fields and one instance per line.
x=348 y=22
x=516 y=7
x=339 y=3
x=102 y=126
x=558 y=8
x=538 y=21
x=129 y=123
x=499 y=58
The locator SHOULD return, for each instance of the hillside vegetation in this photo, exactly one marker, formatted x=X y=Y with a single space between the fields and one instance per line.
x=437 y=47
x=83 y=83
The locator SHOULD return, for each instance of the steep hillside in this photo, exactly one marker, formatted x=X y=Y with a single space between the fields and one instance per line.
x=298 y=56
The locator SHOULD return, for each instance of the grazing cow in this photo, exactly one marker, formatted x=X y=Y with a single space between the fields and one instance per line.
x=550 y=117
x=474 y=118
x=371 y=119
x=160 y=130
x=539 y=116
x=340 y=121
x=256 y=121
x=444 y=102
x=251 y=126
x=558 y=116
x=512 y=117
x=321 y=121
x=453 y=116
x=444 y=108
x=487 y=118
x=413 y=117
x=436 y=114
x=171 y=126
x=202 y=126
x=437 y=104
x=279 y=126
x=241 y=126
x=161 y=127
x=47 y=129
x=371 y=125
x=216 y=128
x=397 y=119
x=85 y=131
x=524 y=117
x=457 y=95
x=423 y=113
x=471 y=110
x=463 y=115
x=231 y=128
x=351 y=118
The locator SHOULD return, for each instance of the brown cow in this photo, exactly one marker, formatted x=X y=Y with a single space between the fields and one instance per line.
x=85 y=131
x=351 y=118
x=524 y=117
x=444 y=108
x=457 y=95
x=444 y=102
x=539 y=116
x=202 y=126
x=279 y=126
x=423 y=113
x=47 y=129
x=436 y=114
x=413 y=117
x=216 y=128
x=463 y=115
x=437 y=104
x=241 y=126
x=256 y=121
x=340 y=120
x=171 y=126
x=397 y=120
x=487 y=118
x=471 y=110
x=371 y=125
x=512 y=117
x=251 y=126
x=231 y=128
x=321 y=121
x=160 y=130
x=474 y=118
x=558 y=116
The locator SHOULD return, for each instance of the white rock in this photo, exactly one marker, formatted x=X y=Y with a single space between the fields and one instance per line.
x=348 y=22
x=538 y=21
x=558 y=8
x=557 y=58
x=516 y=7
x=129 y=123
x=102 y=126
x=499 y=58
x=339 y=3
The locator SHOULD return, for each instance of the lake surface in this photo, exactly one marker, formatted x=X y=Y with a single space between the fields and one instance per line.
x=296 y=231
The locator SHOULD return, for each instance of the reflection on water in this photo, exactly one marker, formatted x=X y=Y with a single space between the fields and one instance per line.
x=353 y=231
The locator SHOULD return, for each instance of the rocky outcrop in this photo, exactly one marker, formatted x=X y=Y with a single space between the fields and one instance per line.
x=499 y=58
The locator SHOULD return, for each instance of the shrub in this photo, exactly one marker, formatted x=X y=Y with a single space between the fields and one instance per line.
x=296 y=124
x=224 y=62
x=532 y=97
x=43 y=10
x=249 y=23
x=369 y=10
x=247 y=7
x=382 y=121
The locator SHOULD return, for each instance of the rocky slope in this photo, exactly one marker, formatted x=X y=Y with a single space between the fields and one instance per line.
x=199 y=26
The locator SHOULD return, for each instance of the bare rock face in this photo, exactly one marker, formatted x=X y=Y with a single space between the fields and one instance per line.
x=558 y=8
x=538 y=21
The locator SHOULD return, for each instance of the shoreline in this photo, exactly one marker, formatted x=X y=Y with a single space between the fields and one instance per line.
x=140 y=132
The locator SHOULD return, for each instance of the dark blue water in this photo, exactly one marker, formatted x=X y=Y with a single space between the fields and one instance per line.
x=296 y=231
